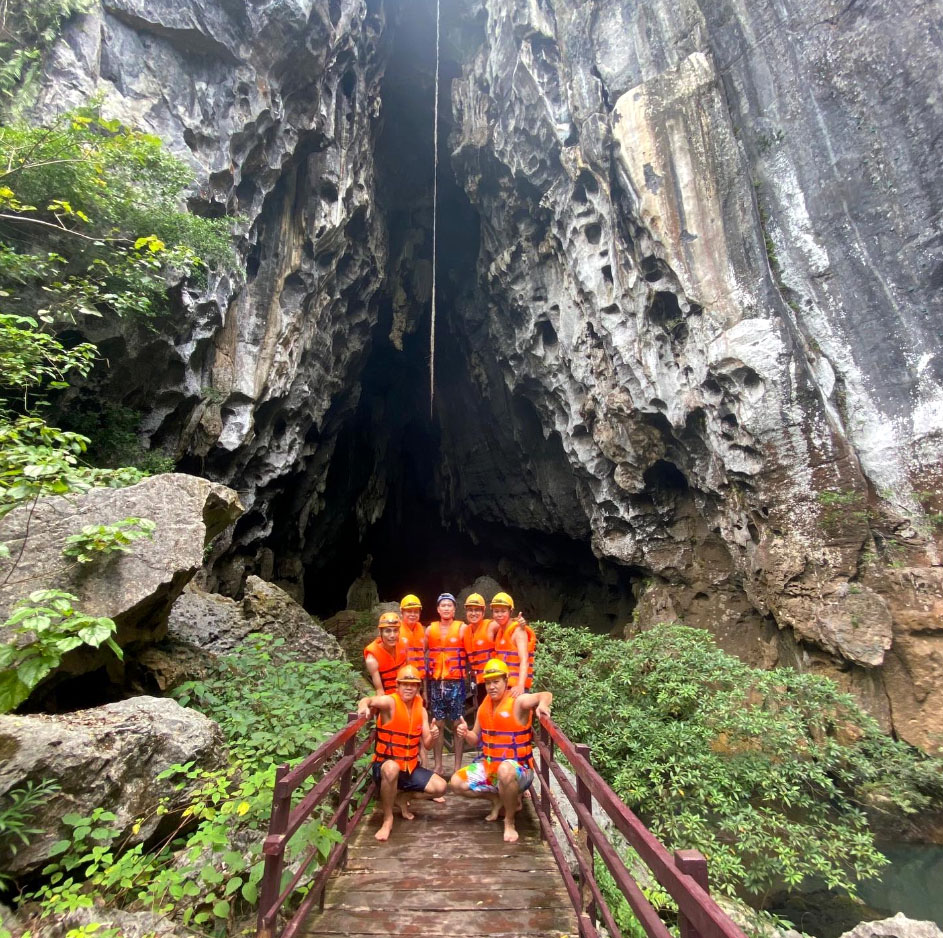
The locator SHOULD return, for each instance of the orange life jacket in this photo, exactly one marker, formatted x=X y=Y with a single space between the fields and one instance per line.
x=415 y=646
x=502 y=737
x=399 y=738
x=479 y=648
x=506 y=650
x=389 y=664
x=447 y=658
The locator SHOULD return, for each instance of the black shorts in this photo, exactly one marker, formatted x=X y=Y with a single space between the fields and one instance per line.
x=408 y=781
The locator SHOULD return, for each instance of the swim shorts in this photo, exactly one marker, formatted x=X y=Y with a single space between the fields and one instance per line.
x=408 y=781
x=483 y=775
x=446 y=699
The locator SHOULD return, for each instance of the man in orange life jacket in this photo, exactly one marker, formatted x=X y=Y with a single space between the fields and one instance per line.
x=514 y=643
x=402 y=723
x=411 y=609
x=503 y=727
x=386 y=654
x=479 y=640
x=448 y=667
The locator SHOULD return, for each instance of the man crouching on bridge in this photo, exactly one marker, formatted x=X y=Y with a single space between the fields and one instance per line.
x=402 y=722
x=504 y=727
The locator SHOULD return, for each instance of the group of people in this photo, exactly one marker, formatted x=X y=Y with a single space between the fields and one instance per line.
x=409 y=665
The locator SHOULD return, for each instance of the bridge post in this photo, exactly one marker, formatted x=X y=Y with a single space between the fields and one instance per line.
x=545 y=776
x=274 y=856
x=344 y=818
x=694 y=864
x=585 y=798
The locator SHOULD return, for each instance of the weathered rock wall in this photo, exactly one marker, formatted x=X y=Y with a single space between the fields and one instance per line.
x=703 y=333
x=275 y=105
x=710 y=262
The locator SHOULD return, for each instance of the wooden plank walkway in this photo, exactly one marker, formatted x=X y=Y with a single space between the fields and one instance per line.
x=447 y=873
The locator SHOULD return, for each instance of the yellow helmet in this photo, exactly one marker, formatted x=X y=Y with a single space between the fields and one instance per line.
x=476 y=599
x=407 y=674
x=502 y=599
x=494 y=667
x=410 y=602
x=388 y=619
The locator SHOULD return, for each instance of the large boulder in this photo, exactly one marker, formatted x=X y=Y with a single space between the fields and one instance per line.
x=217 y=624
x=136 y=588
x=109 y=757
x=897 y=927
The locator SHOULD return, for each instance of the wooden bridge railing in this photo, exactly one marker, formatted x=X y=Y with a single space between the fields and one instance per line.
x=286 y=821
x=684 y=876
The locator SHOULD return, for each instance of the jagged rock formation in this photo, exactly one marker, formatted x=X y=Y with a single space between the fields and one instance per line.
x=690 y=268
x=695 y=308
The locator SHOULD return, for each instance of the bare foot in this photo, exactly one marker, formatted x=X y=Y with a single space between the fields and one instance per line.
x=384 y=832
x=439 y=800
x=495 y=811
x=510 y=833
x=404 y=808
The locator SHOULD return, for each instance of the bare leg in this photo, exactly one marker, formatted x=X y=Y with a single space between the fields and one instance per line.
x=495 y=808
x=389 y=776
x=402 y=801
x=459 y=748
x=437 y=746
x=510 y=792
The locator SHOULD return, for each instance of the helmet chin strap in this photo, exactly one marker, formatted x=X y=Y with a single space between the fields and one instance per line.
x=435 y=213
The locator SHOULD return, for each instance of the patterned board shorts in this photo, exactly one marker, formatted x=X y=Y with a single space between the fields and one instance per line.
x=446 y=700
x=483 y=775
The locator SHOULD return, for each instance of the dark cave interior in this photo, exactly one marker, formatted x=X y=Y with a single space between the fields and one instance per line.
x=392 y=436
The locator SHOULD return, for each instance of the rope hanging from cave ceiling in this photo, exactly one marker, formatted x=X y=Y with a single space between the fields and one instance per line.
x=435 y=212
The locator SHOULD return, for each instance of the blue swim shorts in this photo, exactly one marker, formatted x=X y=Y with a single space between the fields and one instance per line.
x=446 y=699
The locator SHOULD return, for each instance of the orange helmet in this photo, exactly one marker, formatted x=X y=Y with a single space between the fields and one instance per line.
x=410 y=602
x=407 y=674
x=476 y=599
x=388 y=619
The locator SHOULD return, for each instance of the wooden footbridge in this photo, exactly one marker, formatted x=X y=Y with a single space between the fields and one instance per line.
x=449 y=871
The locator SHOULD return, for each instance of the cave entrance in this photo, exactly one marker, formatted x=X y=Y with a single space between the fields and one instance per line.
x=394 y=472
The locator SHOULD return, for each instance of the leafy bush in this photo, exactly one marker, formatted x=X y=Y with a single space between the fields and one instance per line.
x=27 y=29
x=43 y=627
x=205 y=872
x=765 y=772
x=37 y=459
x=99 y=540
x=17 y=808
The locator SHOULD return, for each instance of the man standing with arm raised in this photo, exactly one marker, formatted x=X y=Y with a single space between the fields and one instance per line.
x=504 y=727
x=402 y=722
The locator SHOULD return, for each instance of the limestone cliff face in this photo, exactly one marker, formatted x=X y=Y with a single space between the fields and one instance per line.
x=698 y=327
x=711 y=261
x=275 y=105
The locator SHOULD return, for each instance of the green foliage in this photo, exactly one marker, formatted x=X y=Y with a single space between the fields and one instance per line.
x=95 y=223
x=27 y=29
x=99 y=540
x=765 y=772
x=43 y=628
x=38 y=460
x=31 y=359
x=113 y=435
x=17 y=808
x=206 y=871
